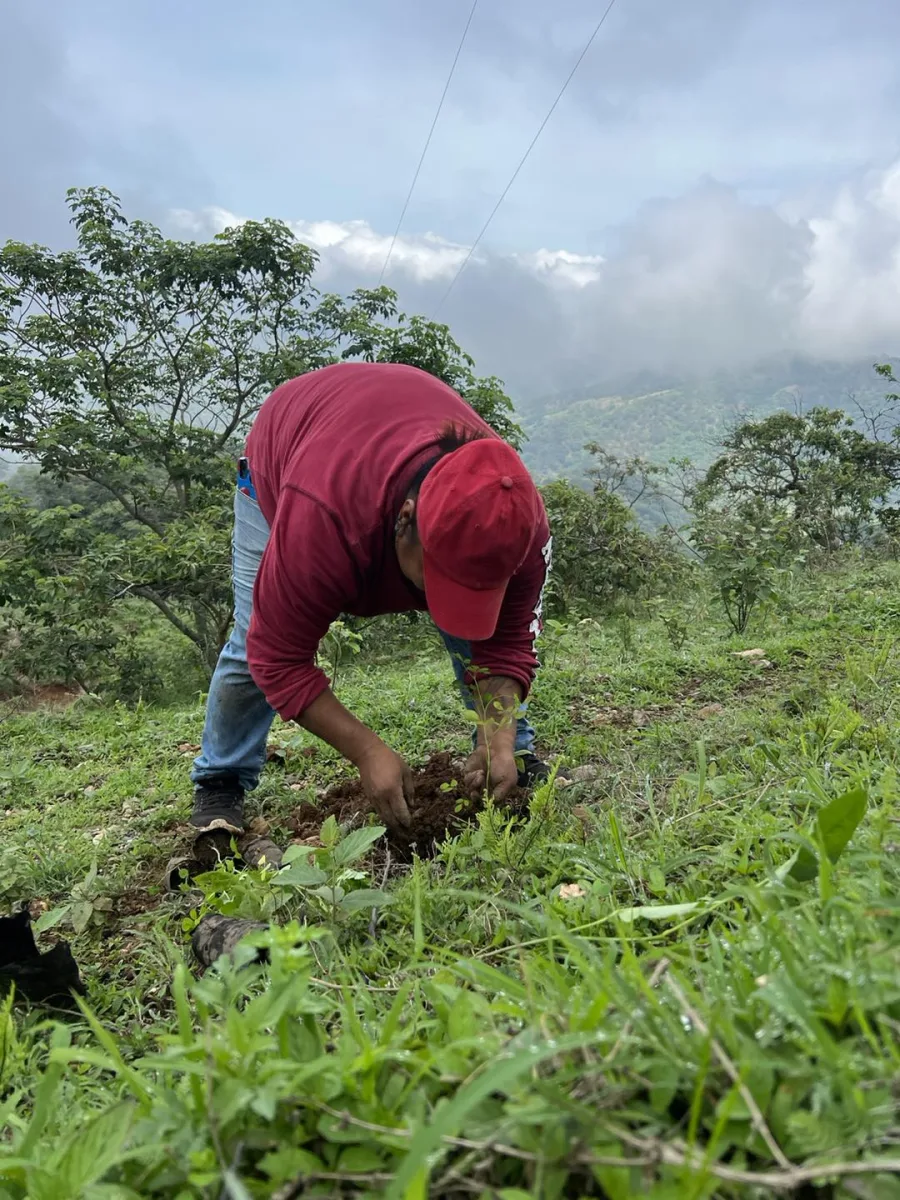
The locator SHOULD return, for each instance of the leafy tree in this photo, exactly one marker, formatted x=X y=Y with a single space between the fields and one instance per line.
x=134 y=363
x=815 y=468
x=429 y=346
x=748 y=555
x=600 y=554
x=82 y=498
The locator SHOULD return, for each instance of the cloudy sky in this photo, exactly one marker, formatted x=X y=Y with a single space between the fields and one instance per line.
x=720 y=182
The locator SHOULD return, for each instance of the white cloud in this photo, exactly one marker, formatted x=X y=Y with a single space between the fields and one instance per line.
x=853 y=271
x=350 y=244
x=698 y=281
x=563 y=267
x=423 y=257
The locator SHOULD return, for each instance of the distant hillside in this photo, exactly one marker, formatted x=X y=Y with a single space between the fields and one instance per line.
x=662 y=419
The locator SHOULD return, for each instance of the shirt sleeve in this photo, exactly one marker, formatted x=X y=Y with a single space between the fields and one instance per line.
x=511 y=651
x=306 y=579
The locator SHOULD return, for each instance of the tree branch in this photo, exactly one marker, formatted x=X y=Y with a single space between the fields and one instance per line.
x=169 y=613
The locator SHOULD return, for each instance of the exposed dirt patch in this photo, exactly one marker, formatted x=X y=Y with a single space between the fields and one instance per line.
x=32 y=697
x=137 y=901
x=438 y=810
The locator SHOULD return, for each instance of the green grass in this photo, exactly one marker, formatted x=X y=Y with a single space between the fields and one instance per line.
x=687 y=1021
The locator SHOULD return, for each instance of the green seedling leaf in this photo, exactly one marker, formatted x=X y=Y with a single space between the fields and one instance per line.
x=355 y=844
x=81 y=915
x=52 y=918
x=839 y=820
x=294 y=852
x=299 y=874
x=655 y=912
x=836 y=824
x=288 y=1162
x=95 y=1148
x=330 y=832
x=361 y=1158
x=331 y=895
x=365 y=898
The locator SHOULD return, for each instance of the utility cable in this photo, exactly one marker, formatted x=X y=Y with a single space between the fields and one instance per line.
x=428 y=141
x=524 y=157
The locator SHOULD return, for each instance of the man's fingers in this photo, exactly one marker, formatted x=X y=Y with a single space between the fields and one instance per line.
x=474 y=782
x=391 y=808
x=503 y=787
x=382 y=806
x=401 y=812
x=409 y=787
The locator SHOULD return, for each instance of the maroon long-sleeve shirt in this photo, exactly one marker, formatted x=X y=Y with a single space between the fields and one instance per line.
x=332 y=455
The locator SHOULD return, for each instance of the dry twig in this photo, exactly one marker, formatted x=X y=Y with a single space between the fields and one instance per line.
x=759 y=1121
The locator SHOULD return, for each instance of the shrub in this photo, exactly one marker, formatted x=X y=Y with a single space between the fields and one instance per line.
x=601 y=556
x=749 y=553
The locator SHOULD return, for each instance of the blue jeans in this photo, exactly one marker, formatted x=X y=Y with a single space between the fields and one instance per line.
x=238 y=716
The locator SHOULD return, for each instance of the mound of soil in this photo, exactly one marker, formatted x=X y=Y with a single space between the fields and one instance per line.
x=433 y=810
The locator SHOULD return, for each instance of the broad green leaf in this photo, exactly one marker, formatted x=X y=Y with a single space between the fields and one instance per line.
x=836 y=824
x=839 y=820
x=331 y=895
x=655 y=912
x=43 y=1185
x=288 y=1163
x=802 y=866
x=355 y=844
x=615 y=1181
x=365 y=898
x=329 y=833
x=299 y=875
x=297 y=851
x=94 y=1148
x=81 y=915
x=360 y=1159
x=450 y=1117
x=52 y=918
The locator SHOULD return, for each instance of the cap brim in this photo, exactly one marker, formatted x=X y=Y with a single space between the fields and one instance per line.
x=470 y=614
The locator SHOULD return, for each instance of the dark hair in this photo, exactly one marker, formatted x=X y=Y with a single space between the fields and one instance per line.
x=452 y=437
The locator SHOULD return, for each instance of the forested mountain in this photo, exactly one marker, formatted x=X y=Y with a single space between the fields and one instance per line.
x=661 y=418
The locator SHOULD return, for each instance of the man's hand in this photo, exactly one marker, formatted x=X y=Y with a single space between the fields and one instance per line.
x=492 y=764
x=388 y=782
x=385 y=776
x=498 y=763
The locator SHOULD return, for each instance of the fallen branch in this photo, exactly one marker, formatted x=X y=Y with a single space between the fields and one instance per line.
x=679 y=1155
x=651 y=1152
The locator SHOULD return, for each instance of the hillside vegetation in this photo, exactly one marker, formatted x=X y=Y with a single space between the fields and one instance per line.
x=660 y=420
x=626 y=991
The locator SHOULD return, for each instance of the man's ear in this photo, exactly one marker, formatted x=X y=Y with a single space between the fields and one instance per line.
x=406 y=517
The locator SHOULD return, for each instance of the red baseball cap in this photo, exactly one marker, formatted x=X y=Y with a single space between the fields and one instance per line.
x=476 y=517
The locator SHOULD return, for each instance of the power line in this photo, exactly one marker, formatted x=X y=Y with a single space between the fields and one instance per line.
x=428 y=140
x=524 y=157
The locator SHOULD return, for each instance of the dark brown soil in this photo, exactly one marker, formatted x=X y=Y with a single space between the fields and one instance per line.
x=433 y=811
